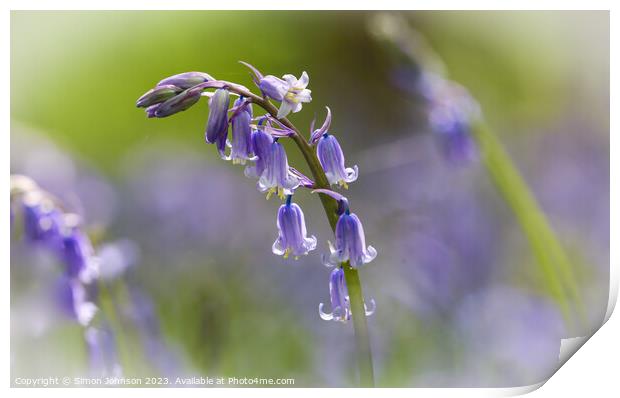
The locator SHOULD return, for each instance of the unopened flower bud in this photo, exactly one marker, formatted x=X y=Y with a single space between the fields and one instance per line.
x=186 y=80
x=157 y=95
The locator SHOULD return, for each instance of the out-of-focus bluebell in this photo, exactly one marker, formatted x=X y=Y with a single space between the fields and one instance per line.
x=73 y=301
x=292 y=233
x=116 y=257
x=339 y=298
x=42 y=221
x=79 y=256
x=451 y=110
x=420 y=72
x=102 y=352
x=217 y=125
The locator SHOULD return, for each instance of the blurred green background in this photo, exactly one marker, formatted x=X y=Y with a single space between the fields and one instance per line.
x=75 y=77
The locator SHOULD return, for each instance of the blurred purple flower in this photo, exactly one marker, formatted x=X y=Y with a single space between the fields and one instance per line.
x=102 y=352
x=115 y=258
x=72 y=299
x=42 y=221
x=451 y=109
x=79 y=256
x=74 y=183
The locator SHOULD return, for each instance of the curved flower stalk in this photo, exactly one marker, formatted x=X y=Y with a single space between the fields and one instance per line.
x=292 y=234
x=274 y=175
x=339 y=298
x=47 y=223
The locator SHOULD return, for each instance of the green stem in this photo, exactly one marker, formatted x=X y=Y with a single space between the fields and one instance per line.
x=108 y=307
x=552 y=259
x=362 y=341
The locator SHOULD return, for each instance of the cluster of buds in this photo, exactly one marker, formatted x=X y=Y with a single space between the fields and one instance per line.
x=46 y=223
x=255 y=139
